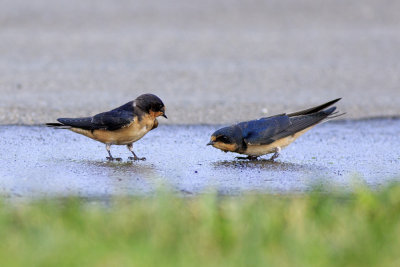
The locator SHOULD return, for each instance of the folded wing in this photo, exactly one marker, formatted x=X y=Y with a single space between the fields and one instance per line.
x=111 y=120
x=267 y=130
x=261 y=132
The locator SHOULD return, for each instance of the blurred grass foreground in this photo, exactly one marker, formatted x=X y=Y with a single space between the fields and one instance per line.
x=314 y=229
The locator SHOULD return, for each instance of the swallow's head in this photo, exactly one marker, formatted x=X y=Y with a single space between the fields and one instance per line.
x=227 y=139
x=152 y=104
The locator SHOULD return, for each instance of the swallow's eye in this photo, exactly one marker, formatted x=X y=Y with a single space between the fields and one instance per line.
x=157 y=107
x=223 y=139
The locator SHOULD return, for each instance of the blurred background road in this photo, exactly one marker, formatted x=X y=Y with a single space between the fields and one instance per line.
x=210 y=61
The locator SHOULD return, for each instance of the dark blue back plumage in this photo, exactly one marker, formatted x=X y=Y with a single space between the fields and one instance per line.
x=261 y=131
x=111 y=120
x=267 y=130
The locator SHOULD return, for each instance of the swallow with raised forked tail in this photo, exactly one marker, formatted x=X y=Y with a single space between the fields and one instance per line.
x=121 y=126
x=269 y=135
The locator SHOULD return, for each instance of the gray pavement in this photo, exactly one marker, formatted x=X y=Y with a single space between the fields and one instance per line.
x=210 y=61
x=40 y=161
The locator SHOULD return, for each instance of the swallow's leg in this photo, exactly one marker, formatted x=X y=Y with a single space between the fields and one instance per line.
x=111 y=158
x=248 y=157
x=276 y=154
x=130 y=147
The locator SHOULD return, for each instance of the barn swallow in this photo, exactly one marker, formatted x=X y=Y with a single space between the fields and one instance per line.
x=269 y=135
x=121 y=126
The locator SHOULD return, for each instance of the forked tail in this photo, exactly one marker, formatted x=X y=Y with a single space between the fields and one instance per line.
x=57 y=125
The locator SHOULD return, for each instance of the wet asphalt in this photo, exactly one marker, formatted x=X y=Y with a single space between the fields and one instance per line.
x=37 y=161
x=210 y=61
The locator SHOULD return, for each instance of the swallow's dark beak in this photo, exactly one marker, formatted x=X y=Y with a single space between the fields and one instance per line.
x=210 y=143
x=165 y=116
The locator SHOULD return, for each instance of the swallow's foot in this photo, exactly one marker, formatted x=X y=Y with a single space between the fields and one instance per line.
x=112 y=159
x=276 y=154
x=248 y=157
x=136 y=158
x=130 y=147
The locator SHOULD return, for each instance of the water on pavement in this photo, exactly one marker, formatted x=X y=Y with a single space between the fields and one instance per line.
x=40 y=161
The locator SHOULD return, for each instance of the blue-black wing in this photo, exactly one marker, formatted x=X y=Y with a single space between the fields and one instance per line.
x=267 y=130
x=299 y=123
x=111 y=120
x=262 y=131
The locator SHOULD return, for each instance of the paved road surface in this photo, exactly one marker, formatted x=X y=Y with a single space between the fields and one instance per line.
x=39 y=161
x=211 y=61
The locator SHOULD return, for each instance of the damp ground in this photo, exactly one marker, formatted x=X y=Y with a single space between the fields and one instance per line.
x=39 y=162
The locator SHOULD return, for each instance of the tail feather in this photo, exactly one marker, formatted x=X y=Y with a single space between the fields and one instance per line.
x=334 y=115
x=68 y=123
x=57 y=125
x=314 y=109
x=54 y=124
x=83 y=123
x=329 y=111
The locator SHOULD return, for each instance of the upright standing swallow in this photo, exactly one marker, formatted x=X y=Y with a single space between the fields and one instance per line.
x=121 y=126
x=269 y=135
